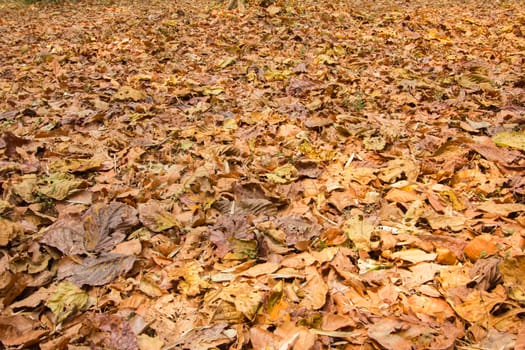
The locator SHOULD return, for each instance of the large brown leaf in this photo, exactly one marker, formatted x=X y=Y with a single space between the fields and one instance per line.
x=95 y=271
x=99 y=229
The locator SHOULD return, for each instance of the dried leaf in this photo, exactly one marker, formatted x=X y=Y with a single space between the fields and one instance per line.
x=414 y=255
x=481 y=246
x=99 y=229
x=96 y=271
x=59 y=185
x=9 y=231
x=155 y=218
x=117 y=332
x=284 y=174
x=18 y=330
x=76 y=165
x=359 y=231
x=128 y=93
x=314 y=291
x=193 y=283
x=502 y=209
x=67 y=300
x=513 y=271
x=510 y=139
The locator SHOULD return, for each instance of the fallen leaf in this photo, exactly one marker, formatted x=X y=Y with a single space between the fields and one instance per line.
x=359 y=231
x=284 y=174
x=145 y=342
x=314 y=291
x=261 y=269
x=414 y=255
x=19 y=330
x=481 y=246
x=67 y=300
x=95 y=271
x=9 y=231
x=273 y=10
x=502 y=209
x=76 y=165
x=117 y=332
x=512 y=271
x=128 y=93
x=59 y=186
x=155 y=218
x=99 y=229
x=510 y=139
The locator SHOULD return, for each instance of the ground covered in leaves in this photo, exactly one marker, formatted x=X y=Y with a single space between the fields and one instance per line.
x=309 y=174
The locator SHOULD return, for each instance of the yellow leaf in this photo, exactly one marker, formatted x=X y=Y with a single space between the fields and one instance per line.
x=510 y=139
x=230 y=124
x=284 y=174
x=170 y=23
x=59 y=185
x=128 y=93
x=210 y=90
x=67 y=300
x=433 y=34
x=8 y=231
x=228 y=61
x=193 y=282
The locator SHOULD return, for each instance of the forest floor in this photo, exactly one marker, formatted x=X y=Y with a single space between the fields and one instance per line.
x=302 y=175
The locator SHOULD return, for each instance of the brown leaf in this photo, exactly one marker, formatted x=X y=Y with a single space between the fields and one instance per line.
x=314 y=291
x=401 y=196
x=95 y=271
x=202 y=338
x=19 y=330
x=155 y=218
x=393 y=334
x=485 y=274
x=414 y=255
x=99 y=229
x=117 y=332
x=512 y=271
x=260 y=338
x=8 y=231
x=481 y=246
x=298 y=228
x=502 y=209
x=128 y=93
x=477 y=306
x=11 y=142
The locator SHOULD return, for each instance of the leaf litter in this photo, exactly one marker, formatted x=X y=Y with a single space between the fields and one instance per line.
x=262 y=175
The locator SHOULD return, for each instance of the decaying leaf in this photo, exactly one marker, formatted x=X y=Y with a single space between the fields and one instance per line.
x=59 y=185
x=263 y=174
x=95 y=271
x=19 y=330
x=99 y=229
x=284 y=174
x=66 y=300
x=359 y=231
x=193 y=283
x=155 y=218
x=8 y=231
x=76 y=165
x=512 y=271
x=116 y=332
x=510 y=139
x=128 y=93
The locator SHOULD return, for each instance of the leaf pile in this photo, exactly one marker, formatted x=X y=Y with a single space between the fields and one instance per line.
x=311 y=174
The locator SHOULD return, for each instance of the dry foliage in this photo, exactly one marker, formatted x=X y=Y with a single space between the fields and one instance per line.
x=305 y=174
